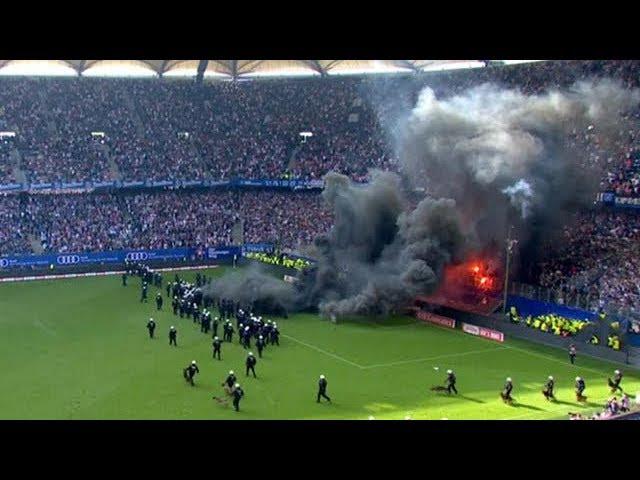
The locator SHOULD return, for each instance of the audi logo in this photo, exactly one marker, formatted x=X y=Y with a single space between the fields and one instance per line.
x=68 y=259
x=137 y=256
x=4 y=262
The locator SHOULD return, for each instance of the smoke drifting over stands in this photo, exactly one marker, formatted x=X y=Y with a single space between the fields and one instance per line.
x=486 y=158
x=503 y=156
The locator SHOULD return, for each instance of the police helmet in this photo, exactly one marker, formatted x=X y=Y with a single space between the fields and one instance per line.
x=193 y=362
x=508 y=379
x=578 y=379
x=321 y=376
x=250 y=354
x=550 y=377
x=449 y=371
x=237 y=385
x=230 y=372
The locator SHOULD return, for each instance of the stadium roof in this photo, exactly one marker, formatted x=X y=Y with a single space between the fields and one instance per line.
x=229 y=68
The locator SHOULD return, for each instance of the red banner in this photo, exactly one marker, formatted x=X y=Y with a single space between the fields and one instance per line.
x=483 y=332
x=436 y=319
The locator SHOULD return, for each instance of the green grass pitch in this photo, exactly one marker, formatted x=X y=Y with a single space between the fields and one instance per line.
x=79 y=349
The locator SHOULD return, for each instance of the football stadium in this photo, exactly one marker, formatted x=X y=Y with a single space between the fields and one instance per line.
x=320 y=239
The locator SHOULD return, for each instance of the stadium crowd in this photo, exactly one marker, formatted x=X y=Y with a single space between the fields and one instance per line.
x=83 y=223
x=168 y=130
x=598 y=258
x=251 y=129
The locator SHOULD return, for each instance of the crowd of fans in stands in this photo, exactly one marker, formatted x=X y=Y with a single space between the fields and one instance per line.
x=251 y=129
x=168 y=130
x=599 y=258
x=83 y=223
x=612 y=408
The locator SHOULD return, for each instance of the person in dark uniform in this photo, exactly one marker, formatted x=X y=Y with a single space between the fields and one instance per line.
x=275 y=335
x=260 y=345
x=322 y=389
x=175 y=305
x=173 y=336
x=190 y=372
x=266 y=332
x=572 y=353
x=169 y=289
x=203 y=321
x=237 y=393
x=251 y=364
x=506 y=391
x=580 y=386
x=229 y=382
x=225 y=332
x=547 y=391
x=246 y=338
x=151 y=326
x=217 y=346
x=230 y=331
x=124 y=279
x=143 y=296
x=181 y=307
x=159 y=301
x=241 y=334
x=215 y=326
x=195 y=313
x=615 y=383
x=451 y=382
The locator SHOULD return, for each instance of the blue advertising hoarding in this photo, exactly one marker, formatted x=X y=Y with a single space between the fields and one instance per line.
x=90 y=186
x=115 y=256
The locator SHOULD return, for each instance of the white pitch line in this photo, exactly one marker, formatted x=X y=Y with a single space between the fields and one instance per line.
x=418 y=360
x=337 y=357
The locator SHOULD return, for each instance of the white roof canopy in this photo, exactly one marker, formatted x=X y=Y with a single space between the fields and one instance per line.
x=228 y=68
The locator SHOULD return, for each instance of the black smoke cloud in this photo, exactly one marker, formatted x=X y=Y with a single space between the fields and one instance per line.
x=253 y=287
x=487 y=158
x=506 y=157
x=378 y=255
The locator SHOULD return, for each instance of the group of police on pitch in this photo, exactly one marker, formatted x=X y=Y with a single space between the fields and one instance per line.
x=248 y=324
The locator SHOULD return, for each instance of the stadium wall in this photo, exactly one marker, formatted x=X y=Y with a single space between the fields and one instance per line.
x=526 y=306
x=73 y=263
x=530 y=334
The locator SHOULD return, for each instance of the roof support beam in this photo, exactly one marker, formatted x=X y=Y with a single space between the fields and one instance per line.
x=163 y=67
x=234 y=70
x=202 y=67
x=315 y=64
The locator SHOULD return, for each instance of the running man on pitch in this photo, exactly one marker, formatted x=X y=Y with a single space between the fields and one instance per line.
x=237 y=393
x=451 y=382
x=322 y=389
x=615 y=383
x=190 y=372
x=580 y=386
x=506 y=391
x=547 y=391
